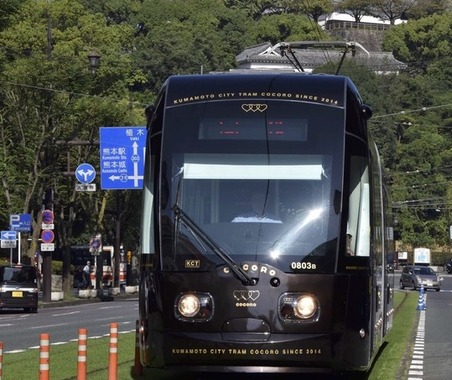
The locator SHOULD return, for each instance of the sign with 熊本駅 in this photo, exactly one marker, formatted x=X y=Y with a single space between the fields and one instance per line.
x=122 y=151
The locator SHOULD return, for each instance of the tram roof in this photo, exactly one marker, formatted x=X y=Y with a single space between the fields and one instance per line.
x=325 y=89
x=238 y=76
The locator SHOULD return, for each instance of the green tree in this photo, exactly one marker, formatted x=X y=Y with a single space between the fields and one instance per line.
x=422 y=42
x=286 y=27
x=49 y=95
x=393 y=10
x=182 y=37
x=423 y=9
x=419 y=167
x=7 y=9
x=312 y=8
x=115 y=11
x=421 y=188
x=255 y=9
x=356 y=8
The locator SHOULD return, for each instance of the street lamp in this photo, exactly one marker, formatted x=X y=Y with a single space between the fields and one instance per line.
x=94 y=61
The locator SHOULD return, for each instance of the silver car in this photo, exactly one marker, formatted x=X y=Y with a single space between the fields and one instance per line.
x=414 y=276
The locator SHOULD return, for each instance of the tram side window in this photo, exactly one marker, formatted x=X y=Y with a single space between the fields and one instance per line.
x=358 y=222
x=358 y=225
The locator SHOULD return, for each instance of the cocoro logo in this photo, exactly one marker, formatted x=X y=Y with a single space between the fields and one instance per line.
x=246 y=295
x=254 y=107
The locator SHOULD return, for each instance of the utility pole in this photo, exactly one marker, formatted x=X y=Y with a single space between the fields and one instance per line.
x=47 y=203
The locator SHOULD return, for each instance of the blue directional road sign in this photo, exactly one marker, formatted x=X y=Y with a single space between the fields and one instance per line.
x=85 y=173
x=9 y=235
x=20 y=222
x=9 y=239
x=122 y=152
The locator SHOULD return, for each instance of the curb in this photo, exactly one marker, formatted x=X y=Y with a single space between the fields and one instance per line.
x=82 y=301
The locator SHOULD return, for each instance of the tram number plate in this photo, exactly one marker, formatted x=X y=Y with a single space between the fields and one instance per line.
x=17 y=294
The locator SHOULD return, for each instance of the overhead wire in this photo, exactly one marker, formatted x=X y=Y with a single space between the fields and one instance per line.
x=423 y=109
x=50 y=89
x=316 y=29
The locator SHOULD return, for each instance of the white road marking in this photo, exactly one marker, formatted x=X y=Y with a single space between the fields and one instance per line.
x=47 y=326
x=62 y=314
x=416 y=370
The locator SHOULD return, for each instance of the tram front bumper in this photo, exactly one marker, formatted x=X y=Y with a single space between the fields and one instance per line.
x=247 y=352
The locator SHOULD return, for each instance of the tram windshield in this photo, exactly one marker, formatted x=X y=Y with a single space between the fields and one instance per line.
x=261 y=185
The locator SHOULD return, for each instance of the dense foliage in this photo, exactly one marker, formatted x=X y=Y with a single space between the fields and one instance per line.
x=49 y=96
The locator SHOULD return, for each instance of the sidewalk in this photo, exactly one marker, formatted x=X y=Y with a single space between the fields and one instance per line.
x=76 y=300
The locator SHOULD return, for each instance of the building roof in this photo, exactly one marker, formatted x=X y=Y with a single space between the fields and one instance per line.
x=338 y=16
x=267 y=56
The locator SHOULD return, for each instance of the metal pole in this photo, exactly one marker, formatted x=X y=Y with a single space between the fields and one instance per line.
x=47 y=276
x=99 y=271
x=116 y=254
x=18 y=248
x=450 y=237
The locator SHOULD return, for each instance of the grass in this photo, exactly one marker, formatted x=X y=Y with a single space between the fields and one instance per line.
x=391 y=361
x=63 y=358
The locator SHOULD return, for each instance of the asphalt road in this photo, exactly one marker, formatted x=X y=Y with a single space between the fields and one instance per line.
x=20 y=331
x=438 y=333
x=438 y=336
x=433 y=357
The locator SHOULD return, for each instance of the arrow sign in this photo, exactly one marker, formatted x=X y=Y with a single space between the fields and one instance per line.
x=8 y=239
x=122 y=151
x=122 y=178
x=9 y=235
x=85 y=173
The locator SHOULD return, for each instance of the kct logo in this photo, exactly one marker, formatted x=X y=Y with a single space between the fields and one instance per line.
x=194 y=264
x=246 y=295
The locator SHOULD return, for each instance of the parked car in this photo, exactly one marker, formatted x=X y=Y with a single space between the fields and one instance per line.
x=414 y=276
x=18 y=287
x=448 y=267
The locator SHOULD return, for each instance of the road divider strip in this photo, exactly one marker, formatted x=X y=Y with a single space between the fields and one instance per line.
x=44 y=353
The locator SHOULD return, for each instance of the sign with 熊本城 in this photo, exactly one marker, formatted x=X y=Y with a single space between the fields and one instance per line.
x=122 y=152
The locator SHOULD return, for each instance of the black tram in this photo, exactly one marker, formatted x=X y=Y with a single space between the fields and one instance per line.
x=263 y=234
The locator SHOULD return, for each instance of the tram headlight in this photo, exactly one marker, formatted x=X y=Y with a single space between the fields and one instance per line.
x=306 y=306
x=188 y=305
x=299 y=307
x=194 y=307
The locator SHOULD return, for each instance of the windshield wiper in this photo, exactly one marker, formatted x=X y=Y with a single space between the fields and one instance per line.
x=198 y=233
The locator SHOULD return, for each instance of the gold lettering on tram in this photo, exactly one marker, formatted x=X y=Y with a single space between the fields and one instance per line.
x=261 y=268
x=246 y=351
x=261 y=95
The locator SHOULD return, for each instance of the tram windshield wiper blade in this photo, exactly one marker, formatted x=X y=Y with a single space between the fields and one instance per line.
x=199 y=233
